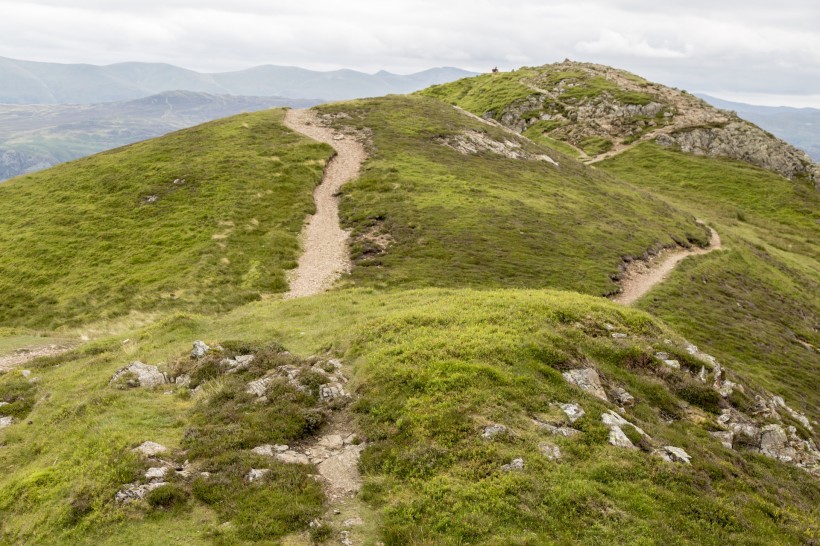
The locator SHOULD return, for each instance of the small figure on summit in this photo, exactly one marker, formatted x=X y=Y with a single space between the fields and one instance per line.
x=495 y=70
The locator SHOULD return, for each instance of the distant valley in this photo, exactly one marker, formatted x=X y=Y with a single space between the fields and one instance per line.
x=798 y=126
x=35 y=137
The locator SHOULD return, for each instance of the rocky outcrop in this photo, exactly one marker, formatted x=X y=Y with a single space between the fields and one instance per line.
x=586 y=379
x=138 y=374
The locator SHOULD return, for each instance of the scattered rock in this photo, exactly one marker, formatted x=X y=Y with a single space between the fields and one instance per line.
x=183 y=380
x=725 y=437
x=515 y=464
x=138 y=374
x=269 y=450
x=150 y=449
x=623 y=398
x=550 y=451
x=566 y=432
x=619 y=335
x=619 y=439
x=26 y=373
x=257 y=474
x=331 y=391
x=259 y=386
x=587 y=379
x=156 y=473
x=492 y=431
x=241 y=362
x=134 y=491
x=292 y=457
x=199 y=350
x=612 y=419
x=673 y=454
x=6 y=421
x=573 y=411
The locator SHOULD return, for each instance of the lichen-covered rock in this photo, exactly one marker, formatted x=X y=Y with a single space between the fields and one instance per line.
x=587 y=379
x=150 y=449
x=550 y=451
x=138 y=374
x=619 y=439
x=199 y=349
x=566 y=432
x=6 y=421
x=725 y=437
x=257 y=474
x=492 y=431
x=259 y=387
x=623 y=398
x=515 y=464
x=133 y=492
x=572 y=411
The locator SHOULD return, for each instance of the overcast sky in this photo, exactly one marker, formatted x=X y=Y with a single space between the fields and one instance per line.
x=759 y=52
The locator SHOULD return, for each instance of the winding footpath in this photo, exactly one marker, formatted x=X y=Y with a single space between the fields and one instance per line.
x=326 y=256
x=641 y=276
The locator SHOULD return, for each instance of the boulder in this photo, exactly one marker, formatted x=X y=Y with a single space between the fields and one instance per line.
x=550 y=451
x=676 y=455
x=612 y=419
x=331 y=391
x=257 y=474
x=156 y=473
x=515 y=464
x=587 y=379
x=492 y=431
x=150 y=449
x=725 y=437
x=619 y=439
x=622 y=397
x=292 y=457
x=259 y=386
x=573 y=411
x=138 y=374
x=6 y=421
x=199 y=350
x=566 y=432
x=134 y=491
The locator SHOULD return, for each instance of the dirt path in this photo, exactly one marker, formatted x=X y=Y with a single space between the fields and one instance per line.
x=640 y=276
x=27 y=354
x=326 y=255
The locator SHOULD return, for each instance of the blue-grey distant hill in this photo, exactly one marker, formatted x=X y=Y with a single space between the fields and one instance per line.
x=36 y=136
x=27 y=82
x=797 y=126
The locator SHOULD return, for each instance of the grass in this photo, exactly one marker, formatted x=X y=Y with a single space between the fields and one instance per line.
x=431 y=368
x=485 y=94
x=565 y=227
x=86 y=241
x=756 y=304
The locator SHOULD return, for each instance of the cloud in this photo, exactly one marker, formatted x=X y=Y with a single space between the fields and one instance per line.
x=734 y=45
x=614 y=43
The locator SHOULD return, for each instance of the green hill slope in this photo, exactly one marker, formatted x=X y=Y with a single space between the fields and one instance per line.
x=206 y=218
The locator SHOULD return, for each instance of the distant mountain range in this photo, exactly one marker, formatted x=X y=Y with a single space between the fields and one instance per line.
x=798 y=126
x=27 y=82
x=34 y=137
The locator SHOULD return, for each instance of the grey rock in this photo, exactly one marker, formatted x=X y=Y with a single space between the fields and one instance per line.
x=587 y=379
x=199 y=350
x=572 y=411
x=257 y=474
x=612 y=419
x=677 y=455
x=672 y=364
x=492 y=431
x=331 y=391
x=134 y=491
x=725 y=437
x=550 y=451
x=270 y=450
x=622 y=397
x=515 y=464
x=259 y=387
x=566 y=432
x=183 y=380
x=619 y=439
x=6 y=421
x=138 y=374
x=150 y=449
x=156 y=473
x=26 y=373
x=292 y=457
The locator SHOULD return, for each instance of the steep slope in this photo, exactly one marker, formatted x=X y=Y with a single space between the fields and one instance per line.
x=601 y=111
x=446 y=200
x=204 y=218
x=35 y=137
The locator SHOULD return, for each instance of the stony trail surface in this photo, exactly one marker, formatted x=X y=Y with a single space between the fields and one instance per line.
x=27 y=354
x=641 y=276
x=326 y=256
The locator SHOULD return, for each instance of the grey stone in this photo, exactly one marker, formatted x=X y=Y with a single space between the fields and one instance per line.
x=515 y=464
x=138 y=374
x=257 y=474
x=573 y=411
x=199 y=350
x=6 y=421
x=292 y=457
x=150 y=449
x=550 y=451
x=622 y=397
x=672 y=364
x=587 y=379
x=619 y=439
x=183 y=380
x=270 y=450
x=677 y=455
x=134 y=491
x=156 y=473
x=259 y=386
x=725 y=437
x=612 y=419
x=331 y=391
x=618 y=335
x=492 y=431
x=26 y=373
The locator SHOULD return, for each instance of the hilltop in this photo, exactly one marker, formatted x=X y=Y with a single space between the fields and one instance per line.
x=470 y=381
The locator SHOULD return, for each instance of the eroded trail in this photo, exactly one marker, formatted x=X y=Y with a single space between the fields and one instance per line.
x=326 y=256
x=27 y=354
x=641 y=276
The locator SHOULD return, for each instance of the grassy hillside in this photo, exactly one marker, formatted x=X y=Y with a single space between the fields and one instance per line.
x=206 y=218
x=425 y=214
x=756 y=303
x=431 y=369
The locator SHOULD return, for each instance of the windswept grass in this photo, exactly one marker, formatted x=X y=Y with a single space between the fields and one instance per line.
x=206 y=218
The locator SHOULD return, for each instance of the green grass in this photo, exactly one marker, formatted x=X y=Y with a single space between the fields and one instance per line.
x=756 y=304
x=485 y=94
x=484 y=220
x=430 y=367
x=81 y=242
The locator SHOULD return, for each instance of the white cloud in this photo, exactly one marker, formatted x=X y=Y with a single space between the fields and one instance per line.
x=740 y=46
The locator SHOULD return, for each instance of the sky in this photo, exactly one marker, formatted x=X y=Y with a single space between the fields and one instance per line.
x=744 y=50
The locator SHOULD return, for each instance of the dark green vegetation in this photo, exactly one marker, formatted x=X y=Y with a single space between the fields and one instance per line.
x=432 y=368
x=205 y=218
x=484 y=219
x=755 y=304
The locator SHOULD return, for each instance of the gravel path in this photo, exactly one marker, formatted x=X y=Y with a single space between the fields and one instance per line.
x=326 y=256
x=27 y=354
x=641 y=276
